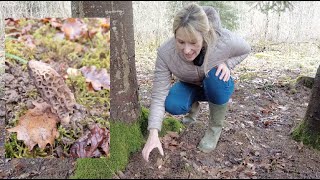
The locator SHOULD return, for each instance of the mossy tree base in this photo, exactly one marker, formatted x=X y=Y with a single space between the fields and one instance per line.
x=309 y=130
x=302 y=134
x=305 y=81
x=125 y=139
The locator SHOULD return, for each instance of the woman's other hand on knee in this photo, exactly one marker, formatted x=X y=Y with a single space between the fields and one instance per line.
x=225 y=72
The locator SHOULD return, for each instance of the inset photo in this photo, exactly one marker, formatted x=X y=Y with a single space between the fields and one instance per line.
x=57 y=87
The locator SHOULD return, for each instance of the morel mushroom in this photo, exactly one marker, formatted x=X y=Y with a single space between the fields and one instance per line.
x=52 y=89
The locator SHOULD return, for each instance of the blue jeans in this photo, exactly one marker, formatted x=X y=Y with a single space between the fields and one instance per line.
x=182 y=95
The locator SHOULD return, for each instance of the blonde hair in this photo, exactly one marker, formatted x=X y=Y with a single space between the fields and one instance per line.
x=193 y=18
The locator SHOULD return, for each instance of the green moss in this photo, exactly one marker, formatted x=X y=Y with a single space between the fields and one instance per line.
x=102 y=121
x=305 y=81
x=13 y=147
x=125 y=139
x=170 y=124
x=17 y=49
x=144 y=121
x=17 y=149
x=20 y=112
x=248 y=76
x=262 y=55
x=99 y=58
x=55 y=48
x=88 y=98
x=302 y=134
x=33 y=94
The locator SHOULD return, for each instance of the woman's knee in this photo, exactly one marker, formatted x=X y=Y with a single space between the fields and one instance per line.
x=180 y=98
x=216 y=90
x=176 y=107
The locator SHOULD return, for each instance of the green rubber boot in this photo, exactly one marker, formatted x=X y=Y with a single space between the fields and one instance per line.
x=212 y=135
x=192 y=115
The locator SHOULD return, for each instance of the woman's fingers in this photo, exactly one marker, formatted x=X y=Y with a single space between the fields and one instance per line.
x=227 y=76
x=152 y=142
x=146 y=151
x=160 y=149
x=225 y=72
x=218 y=70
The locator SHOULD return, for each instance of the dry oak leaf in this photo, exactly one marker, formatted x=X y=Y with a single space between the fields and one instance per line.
x=73 y=28
x=99 y=78
x=37 y=126
x=93 y=144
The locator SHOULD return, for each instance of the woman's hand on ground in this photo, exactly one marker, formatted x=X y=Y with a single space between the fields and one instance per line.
x=152 y=142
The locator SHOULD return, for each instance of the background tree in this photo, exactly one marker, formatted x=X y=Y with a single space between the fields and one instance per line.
x=271 y=6
x=124 y=104
x=275 y=6
x=228 y=13
x=309 y=130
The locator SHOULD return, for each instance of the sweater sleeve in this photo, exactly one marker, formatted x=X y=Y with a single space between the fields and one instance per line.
x=239 y=50
x=160 y=90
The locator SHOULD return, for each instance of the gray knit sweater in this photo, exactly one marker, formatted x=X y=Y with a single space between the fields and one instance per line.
x=230 y=48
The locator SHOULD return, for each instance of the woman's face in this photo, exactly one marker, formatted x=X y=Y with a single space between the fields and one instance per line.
x=188 y=46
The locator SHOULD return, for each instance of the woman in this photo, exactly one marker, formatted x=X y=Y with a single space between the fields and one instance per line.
x=200 y=55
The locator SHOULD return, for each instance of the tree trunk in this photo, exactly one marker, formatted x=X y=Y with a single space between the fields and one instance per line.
x=312 y=116
x=266 y=26
x=124 y=88
x=309 y=130
x=278 y=28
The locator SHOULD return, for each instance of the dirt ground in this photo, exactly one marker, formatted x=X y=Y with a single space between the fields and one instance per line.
x=255 y=142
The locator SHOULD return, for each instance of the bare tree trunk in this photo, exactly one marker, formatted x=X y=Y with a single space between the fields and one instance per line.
x=278 y=28
x=266 y=27
x=309 y=130
x=312 y=116
x=124 y=88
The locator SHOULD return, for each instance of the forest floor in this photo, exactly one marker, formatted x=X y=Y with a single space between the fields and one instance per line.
x=255 y=141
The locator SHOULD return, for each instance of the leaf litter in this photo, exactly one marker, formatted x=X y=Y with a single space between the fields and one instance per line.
x=37 y=127
x=29 y=39
x=255 y=142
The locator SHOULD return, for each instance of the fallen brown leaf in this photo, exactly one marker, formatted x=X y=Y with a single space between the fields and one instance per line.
x=73 y=28
x=37 y=126
x=93 y=144
x=99 y=78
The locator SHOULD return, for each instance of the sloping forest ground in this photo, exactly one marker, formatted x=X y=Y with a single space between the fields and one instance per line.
x=255 y=142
